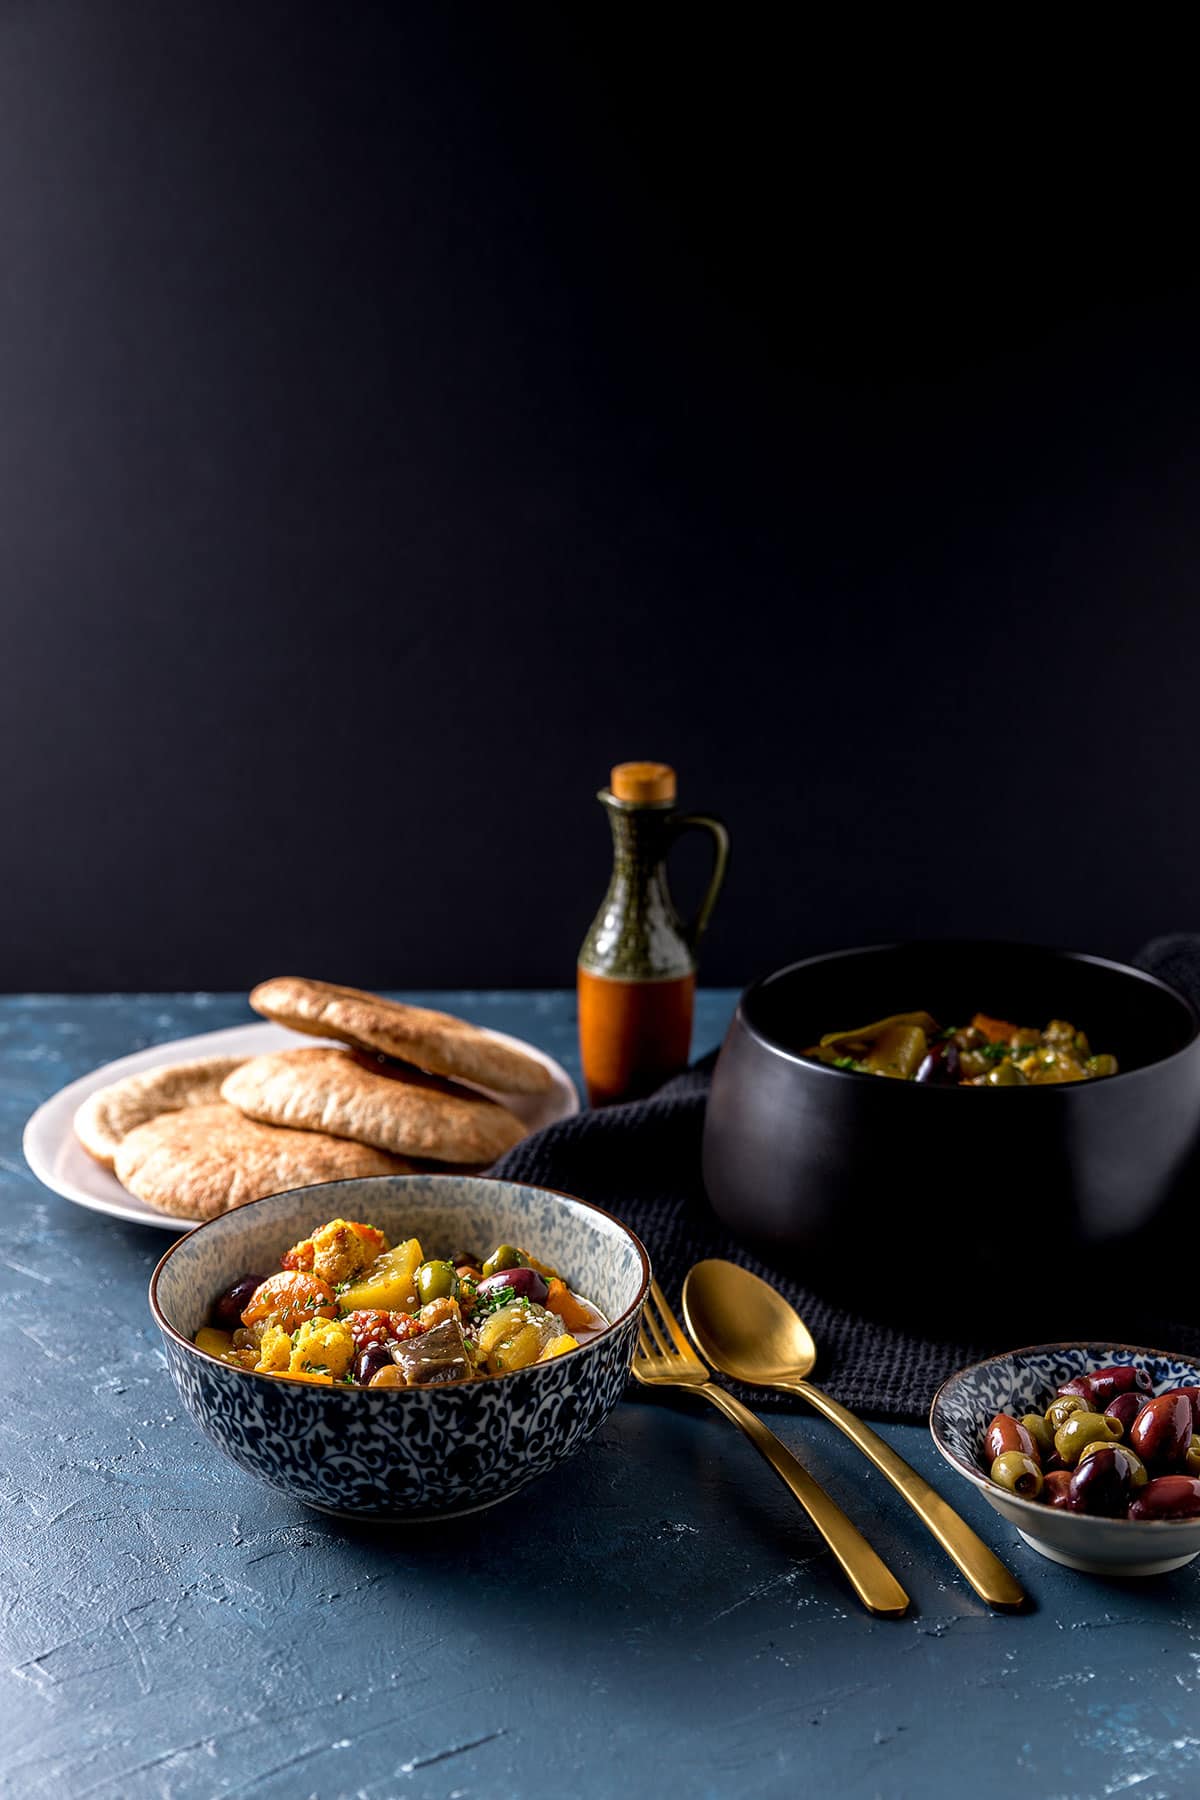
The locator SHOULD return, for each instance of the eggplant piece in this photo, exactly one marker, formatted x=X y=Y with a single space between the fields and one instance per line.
x=437 y=1356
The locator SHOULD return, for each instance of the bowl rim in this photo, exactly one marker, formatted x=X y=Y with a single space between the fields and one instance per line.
x=169 y=1330
x=1035 y=1509
x=1109 y=963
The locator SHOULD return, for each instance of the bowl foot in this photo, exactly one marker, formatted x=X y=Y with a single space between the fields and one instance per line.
x=1162 y=1567
x=413 y=1518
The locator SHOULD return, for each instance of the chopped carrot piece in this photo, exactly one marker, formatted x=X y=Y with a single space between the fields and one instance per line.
x=996 y=1031
x=575 y=1314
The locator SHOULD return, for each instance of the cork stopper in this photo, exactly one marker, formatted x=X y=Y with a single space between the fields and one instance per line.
x=650 y=783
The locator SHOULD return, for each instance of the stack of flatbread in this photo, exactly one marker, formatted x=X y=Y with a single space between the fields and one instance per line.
x=384 y=1097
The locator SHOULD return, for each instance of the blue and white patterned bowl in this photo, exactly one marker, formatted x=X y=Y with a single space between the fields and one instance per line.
x=1023 y=1381
x=405 y=1453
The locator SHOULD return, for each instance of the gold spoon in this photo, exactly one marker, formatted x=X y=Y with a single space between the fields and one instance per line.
x=750 y=1332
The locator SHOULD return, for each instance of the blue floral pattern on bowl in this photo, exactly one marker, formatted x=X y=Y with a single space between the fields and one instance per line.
x=406 y=1453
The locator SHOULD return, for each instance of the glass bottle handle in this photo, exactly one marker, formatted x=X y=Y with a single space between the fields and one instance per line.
x=704 y=822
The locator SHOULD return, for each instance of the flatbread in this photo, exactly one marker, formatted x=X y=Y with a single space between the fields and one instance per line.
x=351 y=1095
x=208 y=1159
x=104 y=1120
x=432 y=1040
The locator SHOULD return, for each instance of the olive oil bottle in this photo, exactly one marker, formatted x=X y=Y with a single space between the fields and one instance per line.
x=636 y=976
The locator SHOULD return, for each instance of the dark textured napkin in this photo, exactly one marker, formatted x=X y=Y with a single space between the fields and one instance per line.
x=642 y=1162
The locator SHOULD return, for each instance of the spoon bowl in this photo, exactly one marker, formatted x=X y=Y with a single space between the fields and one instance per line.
x=745 y=1327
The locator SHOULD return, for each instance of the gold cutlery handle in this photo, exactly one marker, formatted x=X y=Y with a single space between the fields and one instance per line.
x=985 y=1572
x=867 y=1574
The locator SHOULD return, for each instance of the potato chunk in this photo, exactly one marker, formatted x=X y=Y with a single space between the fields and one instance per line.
x=389 y=1285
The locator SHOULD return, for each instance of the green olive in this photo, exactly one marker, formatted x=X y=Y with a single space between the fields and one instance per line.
x=1006 y=1074
x=1139 y=1475
x=1085 y=1428
x=1101 y=1065
x=437 y=1281
x=1018 y=1473
x=1060 y=1410
x=1192 y=1460
x=1041 y=1433
x=503 y=1258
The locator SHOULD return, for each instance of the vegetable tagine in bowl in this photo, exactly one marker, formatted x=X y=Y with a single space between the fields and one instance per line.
x=986 y=1053
x=348 y=1306
x=382 y=1349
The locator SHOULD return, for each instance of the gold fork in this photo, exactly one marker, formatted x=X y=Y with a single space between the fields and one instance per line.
x=665 y=1358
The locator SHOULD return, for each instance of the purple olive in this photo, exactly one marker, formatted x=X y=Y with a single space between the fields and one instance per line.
x=1101 y=1484
x=1056 y=1487
x=1081 y=1387
x=368 y=1362
x=1162 y=1431
x=1120 y=1378
x=1126 y=1408
x=1193 y=1394
x=526 y=1284
x=227 y=1310
x=1170 y=1497
x=1006 y=1433
x=939 y=1065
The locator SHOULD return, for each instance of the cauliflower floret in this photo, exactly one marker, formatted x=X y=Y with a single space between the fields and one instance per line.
x=322 y=1347
x=343 y=1249
x=274 y=1352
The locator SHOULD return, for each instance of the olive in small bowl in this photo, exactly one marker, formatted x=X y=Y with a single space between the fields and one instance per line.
x=1159 y=1524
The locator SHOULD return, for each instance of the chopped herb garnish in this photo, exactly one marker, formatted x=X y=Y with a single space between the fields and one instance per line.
x=844 y=1062
x=496 y=1298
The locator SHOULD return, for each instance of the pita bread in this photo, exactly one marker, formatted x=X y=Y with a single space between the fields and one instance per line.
x=208 y=1159
x=351 y=1095
x=104 y=1120
x=432 y=1040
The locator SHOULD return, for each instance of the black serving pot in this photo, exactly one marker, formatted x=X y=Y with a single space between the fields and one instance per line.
x=885 y=1184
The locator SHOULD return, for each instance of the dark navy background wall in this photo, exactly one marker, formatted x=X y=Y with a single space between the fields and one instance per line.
x=406 y=411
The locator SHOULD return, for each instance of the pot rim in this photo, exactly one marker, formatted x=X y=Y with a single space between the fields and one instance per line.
x=1110 y=964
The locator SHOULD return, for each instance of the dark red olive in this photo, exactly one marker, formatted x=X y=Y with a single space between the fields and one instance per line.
x=1126 y=1408
x=526 y=1284
x=1120 y=1378
x=368 y=1362
x=1006 y=1433
x=227 y=1311
x=1081 y=1387
x=1170 y=1497
x=1162 y=1430
x=1193 y=1394
x=1056 y=1489
x=1101 y=1484
x=940 y=1064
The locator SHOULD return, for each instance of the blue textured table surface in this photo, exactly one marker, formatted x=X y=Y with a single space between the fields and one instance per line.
x=655 y=1616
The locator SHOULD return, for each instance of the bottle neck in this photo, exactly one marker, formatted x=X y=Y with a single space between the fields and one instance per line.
x=637 y=934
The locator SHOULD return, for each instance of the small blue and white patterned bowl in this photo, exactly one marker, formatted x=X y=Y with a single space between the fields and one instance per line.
x=1023 y=1381
x=405 y=1453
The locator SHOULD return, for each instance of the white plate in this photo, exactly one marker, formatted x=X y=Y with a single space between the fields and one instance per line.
x=58 y=1159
